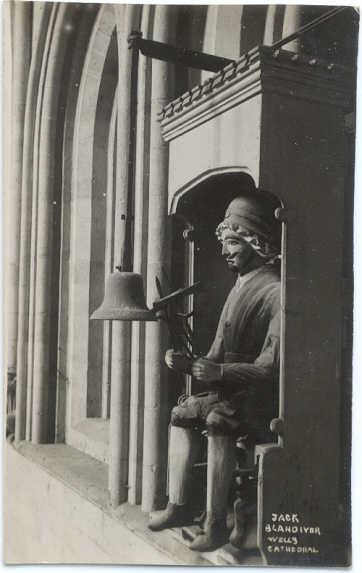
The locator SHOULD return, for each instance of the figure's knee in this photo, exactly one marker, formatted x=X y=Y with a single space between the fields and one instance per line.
x=177 y=417
x=186 y=414
x=181 y=418
x=216 y=425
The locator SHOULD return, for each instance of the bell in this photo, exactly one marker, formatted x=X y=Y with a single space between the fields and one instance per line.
x=124 y=299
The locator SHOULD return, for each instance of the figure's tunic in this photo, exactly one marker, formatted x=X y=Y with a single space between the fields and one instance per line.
x=247 y=345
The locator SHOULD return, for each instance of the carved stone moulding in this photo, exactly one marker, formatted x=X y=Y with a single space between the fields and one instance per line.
x=262 y=70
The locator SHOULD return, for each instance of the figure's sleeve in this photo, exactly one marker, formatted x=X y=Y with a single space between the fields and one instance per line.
x=216 y=352
x=266 y=365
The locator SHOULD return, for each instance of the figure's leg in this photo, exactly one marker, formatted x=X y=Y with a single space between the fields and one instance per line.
x=220 y=467
x=183 y=447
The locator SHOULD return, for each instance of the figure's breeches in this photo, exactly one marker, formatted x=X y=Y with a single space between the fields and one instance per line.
x=222 y=414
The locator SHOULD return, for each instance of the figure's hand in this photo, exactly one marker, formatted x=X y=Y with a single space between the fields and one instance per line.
x=206 y=370
x=177 y=361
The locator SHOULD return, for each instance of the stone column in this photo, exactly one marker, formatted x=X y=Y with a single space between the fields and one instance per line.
x=292 y=21
x=26 y=224
x=127 y=20
x=155 y=422
x=21 y=52
x=38 y=102
x=46 y=218
x=270 y=25
x=6 y=180
x=209 y=40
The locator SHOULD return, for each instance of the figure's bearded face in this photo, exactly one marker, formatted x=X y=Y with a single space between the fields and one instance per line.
x=239 y=255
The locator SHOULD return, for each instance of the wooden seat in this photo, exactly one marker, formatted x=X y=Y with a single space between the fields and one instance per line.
x=245 y=483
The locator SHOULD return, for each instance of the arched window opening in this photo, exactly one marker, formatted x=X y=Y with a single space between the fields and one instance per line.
x=196 y=252
x=98 y=373
x=90 y=256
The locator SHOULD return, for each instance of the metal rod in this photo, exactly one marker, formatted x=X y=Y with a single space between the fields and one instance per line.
x=162 y=302
x=310 y=26
x=126 y=248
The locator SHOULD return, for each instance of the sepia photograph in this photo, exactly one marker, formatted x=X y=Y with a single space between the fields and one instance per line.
x=178 y=280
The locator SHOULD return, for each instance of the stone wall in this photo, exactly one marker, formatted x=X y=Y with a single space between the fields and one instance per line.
x=47 y=521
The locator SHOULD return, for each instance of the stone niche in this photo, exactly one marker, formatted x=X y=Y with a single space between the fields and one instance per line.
x=280 y=118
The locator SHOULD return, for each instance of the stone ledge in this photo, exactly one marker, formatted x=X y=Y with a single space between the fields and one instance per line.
x=91 y=436
x=86 y=480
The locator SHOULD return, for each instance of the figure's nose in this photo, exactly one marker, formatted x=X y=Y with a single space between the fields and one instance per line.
x=224 y=250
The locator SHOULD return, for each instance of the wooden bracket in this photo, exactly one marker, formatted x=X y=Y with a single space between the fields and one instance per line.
x=177 y=55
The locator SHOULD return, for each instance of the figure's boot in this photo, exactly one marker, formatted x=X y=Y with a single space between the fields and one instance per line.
x=172 y=516
x=220 y=467
x=214 y=534
x=183 y=448
x=238 y=533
